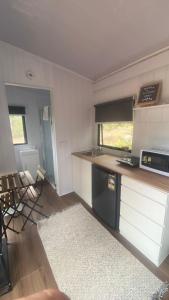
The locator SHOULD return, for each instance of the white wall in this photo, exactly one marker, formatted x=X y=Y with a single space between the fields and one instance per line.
x=151 y=126
x=7 y=155
x=71 y=97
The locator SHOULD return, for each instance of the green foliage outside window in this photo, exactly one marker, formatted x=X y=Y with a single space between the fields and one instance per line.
x=116 y=135
x=18 y=129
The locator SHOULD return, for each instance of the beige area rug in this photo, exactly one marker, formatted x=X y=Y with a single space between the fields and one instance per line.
x=88 y=263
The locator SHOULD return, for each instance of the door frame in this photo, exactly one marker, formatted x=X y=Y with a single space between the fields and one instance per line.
x=53 y=126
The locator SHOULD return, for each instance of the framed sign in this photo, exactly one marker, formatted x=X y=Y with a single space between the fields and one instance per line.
x=149 y=94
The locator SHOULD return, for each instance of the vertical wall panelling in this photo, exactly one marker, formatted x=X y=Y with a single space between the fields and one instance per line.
x=7 y=156
x=71 y=97
x=38 y=131
x=151 y=125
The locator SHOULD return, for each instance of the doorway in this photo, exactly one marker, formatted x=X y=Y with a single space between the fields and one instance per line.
x=31 y=126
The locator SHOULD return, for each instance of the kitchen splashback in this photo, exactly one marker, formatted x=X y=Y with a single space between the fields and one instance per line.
x=151 y=128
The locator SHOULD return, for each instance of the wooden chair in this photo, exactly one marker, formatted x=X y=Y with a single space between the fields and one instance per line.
x=37 y=189
x=40 y=178
x=6 y=203
x=23 y=201
x=5 y=283
x=34 y=194
x=11 y=206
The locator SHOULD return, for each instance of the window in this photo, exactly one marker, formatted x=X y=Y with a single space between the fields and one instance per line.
x=115 y=123
x=18 y=126
x=116 y=135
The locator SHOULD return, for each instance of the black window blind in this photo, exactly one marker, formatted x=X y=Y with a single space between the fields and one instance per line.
x=115 y=111
x=16 y=110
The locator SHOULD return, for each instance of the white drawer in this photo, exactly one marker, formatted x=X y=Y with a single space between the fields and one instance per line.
x=145 y=225
x=145 y=206
x=145 y=189
x=140 y=241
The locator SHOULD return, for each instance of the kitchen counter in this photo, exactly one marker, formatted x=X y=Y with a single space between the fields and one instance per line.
x=109 y=162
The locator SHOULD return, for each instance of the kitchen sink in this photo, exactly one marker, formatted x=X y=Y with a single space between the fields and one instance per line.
x=92 y=153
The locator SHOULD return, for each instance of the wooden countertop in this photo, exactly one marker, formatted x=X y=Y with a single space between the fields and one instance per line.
x=109 y=162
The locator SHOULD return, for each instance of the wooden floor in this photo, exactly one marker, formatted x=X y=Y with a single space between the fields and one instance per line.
x=29 y=267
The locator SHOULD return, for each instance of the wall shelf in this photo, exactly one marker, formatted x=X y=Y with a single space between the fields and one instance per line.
x=151 y=107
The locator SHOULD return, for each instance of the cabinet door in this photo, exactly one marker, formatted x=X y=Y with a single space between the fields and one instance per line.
x=144 y=244
x=82 y=179
x=145 y=190
x=144 y=205
x=76 y=175
x=86 y=181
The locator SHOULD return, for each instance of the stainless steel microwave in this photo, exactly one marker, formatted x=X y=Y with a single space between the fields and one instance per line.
x=155 y=161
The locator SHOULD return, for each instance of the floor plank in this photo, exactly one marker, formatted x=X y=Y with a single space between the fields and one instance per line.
x=29 y=267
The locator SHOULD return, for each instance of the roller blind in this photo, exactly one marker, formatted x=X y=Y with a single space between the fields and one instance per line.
x=115 y=111
x=16 y=110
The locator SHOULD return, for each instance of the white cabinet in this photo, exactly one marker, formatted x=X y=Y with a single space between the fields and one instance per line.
x=82 y=179
x=76 y=174
x=30 y=160
x=144 y=218
x=145 y=205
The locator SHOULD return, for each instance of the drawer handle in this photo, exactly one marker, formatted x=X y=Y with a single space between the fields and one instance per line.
x=111 y=184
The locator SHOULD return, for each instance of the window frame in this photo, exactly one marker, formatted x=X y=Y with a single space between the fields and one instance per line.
x=106 y=146
x=24 y=130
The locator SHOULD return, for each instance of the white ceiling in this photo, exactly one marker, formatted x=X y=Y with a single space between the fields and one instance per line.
x=91 y=37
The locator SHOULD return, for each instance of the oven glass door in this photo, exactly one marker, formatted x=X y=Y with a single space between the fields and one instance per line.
x=155 y=161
